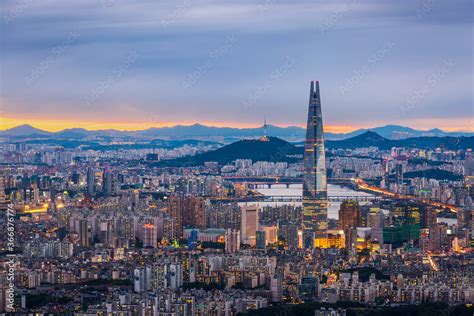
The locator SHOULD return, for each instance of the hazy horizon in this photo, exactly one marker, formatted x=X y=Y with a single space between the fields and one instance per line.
x=229 y=126
x=127 y=64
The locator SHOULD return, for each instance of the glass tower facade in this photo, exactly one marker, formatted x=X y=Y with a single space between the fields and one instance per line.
x=315 y=201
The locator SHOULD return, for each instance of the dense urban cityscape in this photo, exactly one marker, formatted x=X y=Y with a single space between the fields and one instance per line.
x=110 y=225
x=237 y=158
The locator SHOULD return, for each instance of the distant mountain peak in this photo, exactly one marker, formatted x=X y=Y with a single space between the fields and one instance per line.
x=24 y=129
x=435 y=130
x=372 y=134
x=23 y=126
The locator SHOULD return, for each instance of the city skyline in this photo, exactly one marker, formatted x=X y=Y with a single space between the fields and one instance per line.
x=262 y=226
x=106 y=65
x=163 y=157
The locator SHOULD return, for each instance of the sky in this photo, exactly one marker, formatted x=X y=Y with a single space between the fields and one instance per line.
x=146 y=63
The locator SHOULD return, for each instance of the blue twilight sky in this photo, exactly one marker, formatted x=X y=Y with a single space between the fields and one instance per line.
x=131 y=64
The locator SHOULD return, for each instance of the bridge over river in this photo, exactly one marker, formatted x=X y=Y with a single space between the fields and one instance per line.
x=297 y=199
x=357 y=184
x=268 y=181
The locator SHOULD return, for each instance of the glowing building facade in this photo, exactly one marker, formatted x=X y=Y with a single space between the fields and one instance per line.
x=315 y=202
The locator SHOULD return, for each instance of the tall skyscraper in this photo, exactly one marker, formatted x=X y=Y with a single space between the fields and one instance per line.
x=187 y=212
x=349 y=219
x=315 y=201
x=469 y=163
x=349 y=215
x=463 y=218
x=375 y=218
x=84 y=232
x=90 y=180
x=109 y=183
x=128 y=230
x=232 y=240
x=429 y=217
x=149 y=235
x=276 y=287
x=261 y=239
x=249 y=225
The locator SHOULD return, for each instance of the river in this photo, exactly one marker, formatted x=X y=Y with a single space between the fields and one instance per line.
x=296 y=190
x=333 y=190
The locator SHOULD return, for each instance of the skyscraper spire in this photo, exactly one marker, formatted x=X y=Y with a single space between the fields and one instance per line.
x=314 y=178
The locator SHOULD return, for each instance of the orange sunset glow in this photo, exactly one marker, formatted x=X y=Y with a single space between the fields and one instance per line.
x=58 y=125
x=54 y=125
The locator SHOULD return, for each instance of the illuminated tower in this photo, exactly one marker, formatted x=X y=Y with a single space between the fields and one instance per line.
x=265 y=127
x=315 y=203
x=264 y=138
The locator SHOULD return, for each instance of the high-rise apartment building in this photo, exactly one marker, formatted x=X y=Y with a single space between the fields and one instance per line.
x=349 y=215
x=84 y=232
x=261 y=239
x=90 y=180
x=149 y=235
x=187 y=212
x=109 y=183
x=249 y=225
x=232 y=240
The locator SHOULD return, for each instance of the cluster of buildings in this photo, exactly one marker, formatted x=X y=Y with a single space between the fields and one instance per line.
x=122 y=149
x=102 y=232
x=247 y=168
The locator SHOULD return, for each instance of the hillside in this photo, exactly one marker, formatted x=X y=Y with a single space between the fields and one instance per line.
x=373 y=139
x=279 y=150
x=452 y=143
x=274 y=150
x=364 y=140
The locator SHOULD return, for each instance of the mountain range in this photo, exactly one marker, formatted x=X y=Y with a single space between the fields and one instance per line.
x=276 y=150
x=373 y=139
x=230 y=133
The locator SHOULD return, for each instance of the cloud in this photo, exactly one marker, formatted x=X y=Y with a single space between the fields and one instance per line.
x=173 y=38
